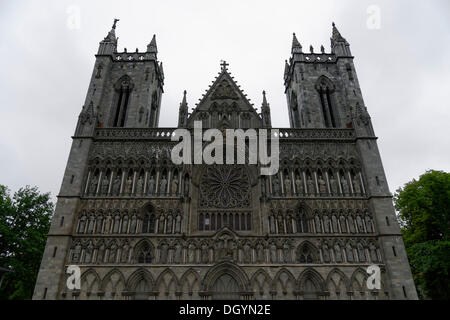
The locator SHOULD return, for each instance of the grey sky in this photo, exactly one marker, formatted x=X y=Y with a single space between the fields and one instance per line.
x=403 y=68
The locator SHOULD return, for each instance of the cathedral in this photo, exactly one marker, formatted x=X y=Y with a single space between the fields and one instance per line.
x=141 y=227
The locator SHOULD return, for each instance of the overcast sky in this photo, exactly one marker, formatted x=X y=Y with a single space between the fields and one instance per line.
x=402 y=60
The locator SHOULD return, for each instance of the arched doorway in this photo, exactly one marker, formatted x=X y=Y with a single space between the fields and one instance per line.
x=226 y=288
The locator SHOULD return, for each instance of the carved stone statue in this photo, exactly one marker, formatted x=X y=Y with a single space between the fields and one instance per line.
x=178 y=253
x=322 y=186
x=163 y=186
x=174 y=189
x=299 y=186
x=337 y=253
x=276 y=186
x=273 y=253
x=151 y=185
x=349 y=252
x=287 y=187
x=105 y=185
x=345 y=188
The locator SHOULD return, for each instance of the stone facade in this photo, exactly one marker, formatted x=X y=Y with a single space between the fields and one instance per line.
x=141 y=227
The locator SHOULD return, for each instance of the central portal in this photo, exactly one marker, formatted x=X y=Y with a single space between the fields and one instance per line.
x=226 y=288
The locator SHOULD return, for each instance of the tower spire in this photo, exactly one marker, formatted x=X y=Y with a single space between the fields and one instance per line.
x=296 y=46
x=152 y=47
x=265 y=112
x=109 y=44
x=183 y=112
x=339 y=45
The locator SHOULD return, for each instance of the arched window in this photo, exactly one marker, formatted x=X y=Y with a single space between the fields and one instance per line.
x=148 y=225
x=326 y=88
x=123 y=89
x=144 y=254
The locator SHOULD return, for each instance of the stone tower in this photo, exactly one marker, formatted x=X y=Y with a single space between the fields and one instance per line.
x=141 y=227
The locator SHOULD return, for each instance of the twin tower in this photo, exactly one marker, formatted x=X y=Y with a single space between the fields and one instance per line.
x=139 y=226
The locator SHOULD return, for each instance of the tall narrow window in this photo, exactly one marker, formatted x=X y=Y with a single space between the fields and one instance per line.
x=123 y=88
x=295 y=112
x=326 y=89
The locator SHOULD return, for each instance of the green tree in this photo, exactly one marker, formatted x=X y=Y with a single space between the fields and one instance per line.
x=24 y=225
x=424 y=216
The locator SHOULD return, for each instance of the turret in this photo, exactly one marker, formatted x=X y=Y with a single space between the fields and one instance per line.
x=265 y=112
x=183 y=112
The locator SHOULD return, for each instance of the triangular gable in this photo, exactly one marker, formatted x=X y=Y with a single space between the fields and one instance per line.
x=224 y=90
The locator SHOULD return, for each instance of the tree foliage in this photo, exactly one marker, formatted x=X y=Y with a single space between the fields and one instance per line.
x=24 y=225
x=424 y=215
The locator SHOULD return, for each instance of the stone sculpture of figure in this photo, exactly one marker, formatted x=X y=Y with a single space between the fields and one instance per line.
x=310 y=184
x=174 y=189
x=334 y=222
x=286 y=253
x=326 y=253
x=361 y=253
x=76 y=253
x=356 y=186
x=101 y=254
x=112 y=253
x=116 y=185
x=299 y=185
x=99 y=224
x=273 y=253
x=317 y=222
x=351 y=224
x=133 y=224
x=140 y=185
x=107 y=224
x=247 y=253
x=205 y=253
x=151 y=185
x=178 y=224
x=129 y=185
x=191 y=253
x=105 y=185
x=349 y=252
x=337 y=253
x=125 y=251
x=276 y=186
x=345 y=188
x=373 y=253
x=322 y=186
x=163 y=186
x=334 y=186
x=164 y=253
x=326 y=223
x=287 y=187
x=369 y=224
x=260 y=253
x=93 y=186
x=178 y=253
x=343 y=223
x=360 y=223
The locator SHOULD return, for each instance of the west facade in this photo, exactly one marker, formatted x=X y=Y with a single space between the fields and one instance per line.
x=140 y=227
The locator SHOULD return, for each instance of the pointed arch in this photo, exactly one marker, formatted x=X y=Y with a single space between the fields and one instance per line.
x=310 y=284
x=167 y=284
x=137 y=276
x=307 y=253
x=113 y=284
x=337 y=284
x=190 y=283
x=261 y=284
x=284 y=282
x=229 y=268
x=90 y=284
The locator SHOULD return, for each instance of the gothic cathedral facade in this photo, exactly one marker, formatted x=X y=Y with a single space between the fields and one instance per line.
x=140 y=227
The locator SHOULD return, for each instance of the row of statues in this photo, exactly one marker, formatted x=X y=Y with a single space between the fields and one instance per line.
x=286 y=187
x=152 y=187
x=221 y=250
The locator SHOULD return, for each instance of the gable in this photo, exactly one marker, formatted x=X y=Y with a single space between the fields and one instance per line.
x=225 y=105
